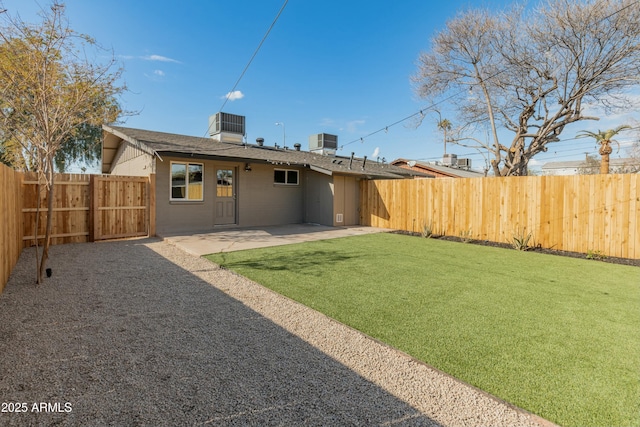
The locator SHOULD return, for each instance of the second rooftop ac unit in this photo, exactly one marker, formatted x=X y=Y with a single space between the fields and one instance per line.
x=464 y=163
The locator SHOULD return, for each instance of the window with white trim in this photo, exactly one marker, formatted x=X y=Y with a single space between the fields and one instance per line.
x=285 y=176
x=187 y=181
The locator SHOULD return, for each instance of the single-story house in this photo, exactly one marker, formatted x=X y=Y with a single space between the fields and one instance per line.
x=437 y=170
x=203 y=183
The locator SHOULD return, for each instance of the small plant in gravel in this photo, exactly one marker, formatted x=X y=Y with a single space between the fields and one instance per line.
x=597 y=255
x=466 y=236
x=427 y=230
x=521 y=240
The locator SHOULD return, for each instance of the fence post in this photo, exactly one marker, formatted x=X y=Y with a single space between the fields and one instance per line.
x=151 y=205
x=92 y=213
x=96 y=223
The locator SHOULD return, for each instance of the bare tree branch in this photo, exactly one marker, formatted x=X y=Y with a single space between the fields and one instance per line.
x=532 y=71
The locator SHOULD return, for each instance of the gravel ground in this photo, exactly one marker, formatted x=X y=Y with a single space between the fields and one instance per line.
x=139 y=332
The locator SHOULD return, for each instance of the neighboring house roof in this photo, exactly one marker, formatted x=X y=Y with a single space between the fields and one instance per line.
x=572 y=166
x=158 y=143
x=439 y=171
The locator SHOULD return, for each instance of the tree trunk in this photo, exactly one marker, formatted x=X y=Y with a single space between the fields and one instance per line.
x=47 y=236
x=605 y=150
x=37 y=226
x=604 y=165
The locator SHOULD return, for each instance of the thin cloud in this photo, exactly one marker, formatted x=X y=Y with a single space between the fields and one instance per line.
x=159 y=58
x=376 y=152
x=353 y=125
x=156 y=58
x=233 y=96
x=156 y=75
x=327 y=122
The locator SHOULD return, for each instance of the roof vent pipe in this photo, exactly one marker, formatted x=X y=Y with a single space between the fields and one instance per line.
x=297 y=146
x=364 y=162
x=351 y=159
x=260 y=141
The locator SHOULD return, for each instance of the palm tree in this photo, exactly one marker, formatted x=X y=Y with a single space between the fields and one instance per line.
x=604 y=138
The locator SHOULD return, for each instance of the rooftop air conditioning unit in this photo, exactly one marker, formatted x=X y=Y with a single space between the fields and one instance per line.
x=464 y=163
x=323 y=143
x=450 y=159
x=225 y=127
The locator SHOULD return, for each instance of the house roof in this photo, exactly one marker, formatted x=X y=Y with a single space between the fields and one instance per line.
x=439 y=169
x=158 y=143
x=572 y=164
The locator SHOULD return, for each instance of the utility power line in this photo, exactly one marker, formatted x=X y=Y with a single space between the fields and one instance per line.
x=264 y=38
x=421 y=112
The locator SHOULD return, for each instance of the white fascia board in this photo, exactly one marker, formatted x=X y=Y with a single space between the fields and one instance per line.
x=321 y=170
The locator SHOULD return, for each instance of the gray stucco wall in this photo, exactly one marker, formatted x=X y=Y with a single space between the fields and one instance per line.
x=346 y=200
x=178 y=216
x=260 y=202
x=318 y=198
x=329 y=198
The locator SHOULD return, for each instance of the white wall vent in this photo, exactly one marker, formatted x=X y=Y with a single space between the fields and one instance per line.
x=339 y=217
x=225 y=127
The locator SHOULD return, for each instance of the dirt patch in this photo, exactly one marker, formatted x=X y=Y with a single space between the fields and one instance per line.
x=539 y=249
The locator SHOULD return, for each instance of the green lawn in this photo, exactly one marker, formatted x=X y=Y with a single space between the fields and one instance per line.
x=557 y=336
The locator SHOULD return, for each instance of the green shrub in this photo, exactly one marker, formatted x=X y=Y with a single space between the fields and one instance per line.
x=427 y=230
x=466 y=235
x=597 y=255
x=521 y=240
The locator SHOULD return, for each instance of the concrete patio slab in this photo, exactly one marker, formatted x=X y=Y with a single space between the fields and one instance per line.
x=237 y=239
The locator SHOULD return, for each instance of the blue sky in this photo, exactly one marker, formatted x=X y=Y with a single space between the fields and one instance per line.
x=339 y=67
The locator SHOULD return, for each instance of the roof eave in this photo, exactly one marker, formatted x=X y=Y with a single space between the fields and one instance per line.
x=121 y=137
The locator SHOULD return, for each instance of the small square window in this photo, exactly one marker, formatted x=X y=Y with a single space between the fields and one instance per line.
x=292 y=177
x=285 y=176
x=280 y=176
x=186 y=181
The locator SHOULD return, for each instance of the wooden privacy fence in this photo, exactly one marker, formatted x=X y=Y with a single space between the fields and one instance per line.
x=122 y=207
x=573 y=213
x=10 y=221
x=71 y=205
x=87 y=208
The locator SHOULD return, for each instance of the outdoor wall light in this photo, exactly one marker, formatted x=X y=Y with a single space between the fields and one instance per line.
x=247 y=167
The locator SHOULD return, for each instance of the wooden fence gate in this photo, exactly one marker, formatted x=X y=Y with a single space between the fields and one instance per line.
x=87 y=208
x=120 y=207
